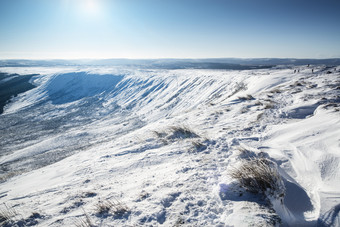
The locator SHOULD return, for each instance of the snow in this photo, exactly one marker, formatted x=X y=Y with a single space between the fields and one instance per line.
x=86 y=136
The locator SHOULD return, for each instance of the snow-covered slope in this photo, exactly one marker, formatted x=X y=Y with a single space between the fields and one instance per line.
x=159 y=146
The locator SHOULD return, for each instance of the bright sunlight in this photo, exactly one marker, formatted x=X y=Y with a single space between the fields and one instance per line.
x=90 y=7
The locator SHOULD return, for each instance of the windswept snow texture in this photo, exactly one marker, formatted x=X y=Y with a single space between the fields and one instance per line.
x=154 y=147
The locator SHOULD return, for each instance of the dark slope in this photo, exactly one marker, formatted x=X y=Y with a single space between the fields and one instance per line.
x=11 y=85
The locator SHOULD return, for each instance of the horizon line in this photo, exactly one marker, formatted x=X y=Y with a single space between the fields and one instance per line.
x=165 y=58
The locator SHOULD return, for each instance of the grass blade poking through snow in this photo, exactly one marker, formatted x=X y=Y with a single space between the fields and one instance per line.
x=259 y=175
x=116 y=208
x=6 y=215
x=174 y=133
x=182 y=132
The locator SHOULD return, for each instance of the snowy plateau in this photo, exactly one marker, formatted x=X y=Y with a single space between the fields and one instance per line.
x=115 y=146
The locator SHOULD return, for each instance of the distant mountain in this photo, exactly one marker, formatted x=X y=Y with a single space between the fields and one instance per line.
x=209 y=63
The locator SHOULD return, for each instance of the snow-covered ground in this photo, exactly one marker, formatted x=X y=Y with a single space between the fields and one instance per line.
x=129 y=147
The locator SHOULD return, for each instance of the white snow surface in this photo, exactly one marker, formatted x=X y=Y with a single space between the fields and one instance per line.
x=90 y=136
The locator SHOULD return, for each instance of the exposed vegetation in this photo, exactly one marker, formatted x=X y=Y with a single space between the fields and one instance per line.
x=85 y=222
x=6 y=215
x=115 y=208
x=245 y=98
x=199 y=145
x=276 y=91
x=182 y=132
x=259 y=175
x=9 y=174
x=239 y=87
x=9 y=217
x=175 y=133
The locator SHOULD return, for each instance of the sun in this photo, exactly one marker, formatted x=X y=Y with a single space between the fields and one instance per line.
x=90 y=6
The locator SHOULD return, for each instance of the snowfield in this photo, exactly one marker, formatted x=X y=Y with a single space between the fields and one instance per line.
x=107 y=146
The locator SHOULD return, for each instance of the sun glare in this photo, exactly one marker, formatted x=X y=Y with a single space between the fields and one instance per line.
x=90 y=6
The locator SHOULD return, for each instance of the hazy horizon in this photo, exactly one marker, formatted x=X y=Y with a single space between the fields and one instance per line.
x=166 y=58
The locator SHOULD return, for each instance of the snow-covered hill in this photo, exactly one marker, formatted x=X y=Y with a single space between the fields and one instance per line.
x=129 y=147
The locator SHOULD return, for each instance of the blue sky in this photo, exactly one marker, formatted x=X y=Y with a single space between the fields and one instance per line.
x=40 y=29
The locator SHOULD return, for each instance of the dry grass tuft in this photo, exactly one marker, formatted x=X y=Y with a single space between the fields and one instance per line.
x=9 y=175
x=247 y=97
x=6 y=214
x=175 y=133
x=87 y=222
x=259 y=175
x=238 y=87
x=276 y=91
x=182 y=132
x=159 y=134
x=198 y=145
x=269 y=104
x=116 y=208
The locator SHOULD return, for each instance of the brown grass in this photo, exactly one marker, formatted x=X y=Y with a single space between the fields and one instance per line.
x=6 y=214
x=116 y=208
x=86 y=222
x=247 y=97
x=259 y=175
x=175 y=133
